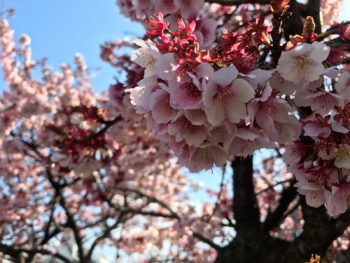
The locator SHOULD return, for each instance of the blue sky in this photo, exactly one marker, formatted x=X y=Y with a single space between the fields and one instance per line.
x=61 y=28
x=345 y=15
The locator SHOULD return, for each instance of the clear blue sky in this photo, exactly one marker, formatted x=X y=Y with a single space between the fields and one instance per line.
x=60 y=28
x=345 y=15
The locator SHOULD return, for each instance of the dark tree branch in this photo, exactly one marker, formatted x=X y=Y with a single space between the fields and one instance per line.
x=127 y=210
x=319 y=230
x=105 y=234
x=50 y=235
x=47 y=234
x=11 y=252
x=172 y=214
x=70 y=219
x=274 y=218
x=107 y=125
x=245 y=206
x=32 y=146
x=274 y=185
x=97 y=222
x=291 y=210
x=276 y=36
x=152 y=199
x=15 y=253
x=207 y=241
x=76 y=231
x=149 y=213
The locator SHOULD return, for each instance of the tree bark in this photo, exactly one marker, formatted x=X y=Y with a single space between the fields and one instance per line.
x=253 y=243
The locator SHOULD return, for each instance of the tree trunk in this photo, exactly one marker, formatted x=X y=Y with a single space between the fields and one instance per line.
x=253 y=242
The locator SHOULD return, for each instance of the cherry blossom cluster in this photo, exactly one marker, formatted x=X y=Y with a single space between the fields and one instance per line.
x=173 y=10
x=320 y=160
x=322 y=98
x=212 y=105
x=202 y=102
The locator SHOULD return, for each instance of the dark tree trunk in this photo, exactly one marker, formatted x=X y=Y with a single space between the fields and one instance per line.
x=261 y=249
x=253 y=242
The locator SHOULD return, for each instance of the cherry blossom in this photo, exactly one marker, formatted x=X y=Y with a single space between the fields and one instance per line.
x=226 y=97
x=303 y=63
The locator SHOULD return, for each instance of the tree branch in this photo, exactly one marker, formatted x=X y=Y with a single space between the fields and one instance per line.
x=47 y=234
x=274 y=185
x=152 y=199
x=70 y=219
x=15 y=253
x=149 y=213
x=273 y=219
x=106 y=233
x=206 y=241
x=76 y=232
x=245 y=206
x=319 y=230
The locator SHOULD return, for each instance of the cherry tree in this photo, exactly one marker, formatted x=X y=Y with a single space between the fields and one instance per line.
x=257 y=90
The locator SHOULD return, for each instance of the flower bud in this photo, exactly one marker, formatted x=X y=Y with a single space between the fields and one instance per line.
x=309 y=30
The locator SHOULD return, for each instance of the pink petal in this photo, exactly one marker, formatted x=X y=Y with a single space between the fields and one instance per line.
x=225 y=76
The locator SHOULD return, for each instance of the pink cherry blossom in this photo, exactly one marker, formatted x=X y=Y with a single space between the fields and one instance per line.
x=226 y=96
x=187 y=94
x=337 y=200
x=146 y=56
x=303 y=63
